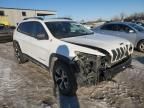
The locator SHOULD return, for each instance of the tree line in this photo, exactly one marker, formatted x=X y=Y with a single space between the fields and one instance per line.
x=132 y=17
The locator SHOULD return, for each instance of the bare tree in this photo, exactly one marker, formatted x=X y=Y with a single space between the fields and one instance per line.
x=135 y=17
x=99 y=20
x=116 y=18
x=122 y=16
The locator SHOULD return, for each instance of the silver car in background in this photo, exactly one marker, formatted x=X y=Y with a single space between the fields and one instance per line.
x=130 y=31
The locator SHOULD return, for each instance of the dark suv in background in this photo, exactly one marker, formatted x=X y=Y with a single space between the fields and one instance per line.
x=6 y=33
x=140 y=23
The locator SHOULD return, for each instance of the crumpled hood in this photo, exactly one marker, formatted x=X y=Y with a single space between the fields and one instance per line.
x=115 y=48
x=99 y=41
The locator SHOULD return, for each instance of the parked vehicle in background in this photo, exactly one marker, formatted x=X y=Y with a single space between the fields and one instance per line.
x=88 y=27
x=140 y=23
x=6 y=33
x=70 y=51
x=130 y=31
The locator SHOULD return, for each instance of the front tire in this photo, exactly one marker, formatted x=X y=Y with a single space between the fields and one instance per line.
x=64 y=79
x=141 y=46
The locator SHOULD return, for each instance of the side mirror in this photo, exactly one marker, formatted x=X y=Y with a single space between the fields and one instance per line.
x=131 y=31
x=41 y=36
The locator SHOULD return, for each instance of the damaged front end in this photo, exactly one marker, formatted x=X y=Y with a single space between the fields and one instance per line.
x=91 y=68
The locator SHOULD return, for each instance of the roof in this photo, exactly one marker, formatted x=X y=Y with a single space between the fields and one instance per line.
x=26 y=9
x=56 y=19
x=47 y=20
x=119 y=23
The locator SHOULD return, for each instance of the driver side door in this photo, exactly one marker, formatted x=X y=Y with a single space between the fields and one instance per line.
x=40 y=44
x=124 y=31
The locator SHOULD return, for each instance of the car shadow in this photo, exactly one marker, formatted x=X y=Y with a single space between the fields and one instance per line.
x=66 y=101
x=140 y=59
x=69 y=102
x=62 y=102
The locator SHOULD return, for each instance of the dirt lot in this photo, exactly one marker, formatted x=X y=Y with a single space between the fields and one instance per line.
x=27 y=85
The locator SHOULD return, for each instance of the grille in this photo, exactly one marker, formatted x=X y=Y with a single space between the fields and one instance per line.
x=119 y=53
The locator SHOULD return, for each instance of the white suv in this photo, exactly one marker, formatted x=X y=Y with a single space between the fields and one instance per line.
x=71 y=52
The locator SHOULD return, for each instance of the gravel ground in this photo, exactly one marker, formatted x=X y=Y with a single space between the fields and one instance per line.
x=28 y=85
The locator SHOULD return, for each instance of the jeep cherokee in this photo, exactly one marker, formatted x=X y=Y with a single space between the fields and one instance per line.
x=73 y=54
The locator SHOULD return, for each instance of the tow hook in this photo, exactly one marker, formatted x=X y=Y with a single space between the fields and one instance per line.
x=131 y=66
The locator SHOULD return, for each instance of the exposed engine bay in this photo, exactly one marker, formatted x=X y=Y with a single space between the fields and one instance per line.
x=91 y=68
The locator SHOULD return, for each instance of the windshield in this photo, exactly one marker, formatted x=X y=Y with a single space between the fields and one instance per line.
x=66 y=29
x=137 y=27
x=141 y=24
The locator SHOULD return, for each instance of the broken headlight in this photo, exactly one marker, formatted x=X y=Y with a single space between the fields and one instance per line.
x=90 y=66
x=92 y=59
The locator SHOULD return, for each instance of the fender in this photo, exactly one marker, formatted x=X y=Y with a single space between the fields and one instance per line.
x=59 y=57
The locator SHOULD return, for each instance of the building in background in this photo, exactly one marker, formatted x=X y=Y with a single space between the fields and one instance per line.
x=12 y=16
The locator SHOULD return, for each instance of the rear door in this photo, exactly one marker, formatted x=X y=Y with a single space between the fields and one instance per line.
x=25 y=36
x=36 y=48
x=108 y=29
x=119 y=30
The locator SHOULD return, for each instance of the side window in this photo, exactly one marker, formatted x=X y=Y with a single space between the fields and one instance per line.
x=105 y=27
x=108 y=27
x=123 y=28
x=39 y=31
x=26 y=28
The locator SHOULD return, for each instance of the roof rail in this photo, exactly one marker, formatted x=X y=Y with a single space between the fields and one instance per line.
x=63 y=18
x=39 y=18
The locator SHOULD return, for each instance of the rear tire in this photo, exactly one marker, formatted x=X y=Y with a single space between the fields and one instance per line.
x=141 y=46
x=18 y=53
x=64 y=79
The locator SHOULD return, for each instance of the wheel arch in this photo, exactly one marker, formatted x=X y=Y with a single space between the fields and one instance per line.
x=140 y=46
x=54 y=57
x=139 y=42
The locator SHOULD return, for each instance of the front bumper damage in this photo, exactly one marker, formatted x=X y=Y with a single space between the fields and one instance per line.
x=120 y=66
x=92 y=69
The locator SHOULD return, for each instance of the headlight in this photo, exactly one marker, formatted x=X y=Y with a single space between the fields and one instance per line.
x=78 y=53
x=99 y=60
